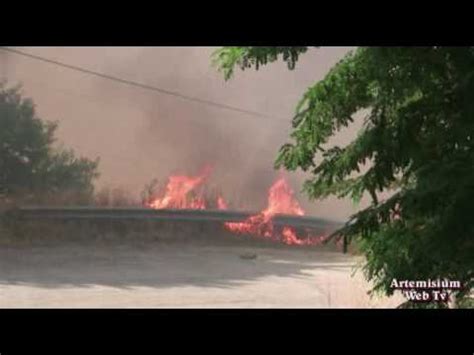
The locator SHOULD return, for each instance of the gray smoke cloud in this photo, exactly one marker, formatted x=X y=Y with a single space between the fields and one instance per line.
x=140 y=135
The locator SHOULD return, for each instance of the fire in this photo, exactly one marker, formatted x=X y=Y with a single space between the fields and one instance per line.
x=280 y=201
x=178 y=190
x=221 y=204
x=184 y=192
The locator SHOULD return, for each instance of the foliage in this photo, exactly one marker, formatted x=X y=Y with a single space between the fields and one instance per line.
x=422 y=305
x=30 y=165
x=466 y=302
x=418 y=137
x=246 y=57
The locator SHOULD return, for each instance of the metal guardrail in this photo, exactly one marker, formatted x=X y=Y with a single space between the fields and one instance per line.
x=99 y=213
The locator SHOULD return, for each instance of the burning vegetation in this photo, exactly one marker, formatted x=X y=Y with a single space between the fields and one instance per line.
x=189 y=192
x=183 y=192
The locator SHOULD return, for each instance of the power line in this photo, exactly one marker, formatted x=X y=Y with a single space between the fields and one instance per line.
x=97 y=101
x=101 y=103
x=137 y=84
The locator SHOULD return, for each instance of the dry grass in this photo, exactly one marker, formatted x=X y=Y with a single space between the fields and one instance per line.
x=114 y=197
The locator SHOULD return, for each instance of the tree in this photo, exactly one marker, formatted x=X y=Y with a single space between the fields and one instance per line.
x=417 y=139
x=30 y=166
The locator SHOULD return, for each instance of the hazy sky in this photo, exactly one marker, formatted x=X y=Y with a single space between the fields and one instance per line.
x=140 y=135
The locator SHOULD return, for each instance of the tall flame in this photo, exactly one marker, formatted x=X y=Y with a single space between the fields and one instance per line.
x=280 y=201
x=178 y=188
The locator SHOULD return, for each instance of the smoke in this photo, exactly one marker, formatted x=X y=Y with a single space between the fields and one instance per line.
x=140 y=135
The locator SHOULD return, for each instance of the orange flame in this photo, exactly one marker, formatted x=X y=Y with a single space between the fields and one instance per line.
x=177 y=192
x=221 y=204
x=280 y=201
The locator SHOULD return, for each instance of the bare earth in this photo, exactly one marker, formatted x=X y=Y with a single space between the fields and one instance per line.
x=160 y=275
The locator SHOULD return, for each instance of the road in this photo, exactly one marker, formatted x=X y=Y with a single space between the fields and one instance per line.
x=180 y=275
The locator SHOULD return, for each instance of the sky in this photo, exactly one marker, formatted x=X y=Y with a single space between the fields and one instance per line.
x=140 y=135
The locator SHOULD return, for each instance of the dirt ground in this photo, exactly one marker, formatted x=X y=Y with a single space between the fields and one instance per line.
x=180 y=275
